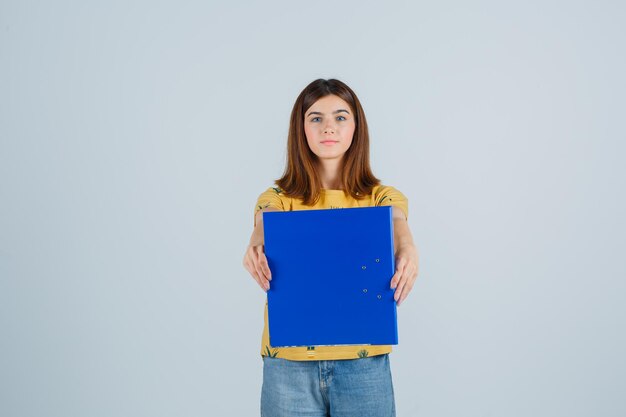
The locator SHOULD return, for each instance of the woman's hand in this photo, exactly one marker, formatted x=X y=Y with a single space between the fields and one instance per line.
x=406 y=272
x=254 y=259
x=406 y=257
x=256 y=263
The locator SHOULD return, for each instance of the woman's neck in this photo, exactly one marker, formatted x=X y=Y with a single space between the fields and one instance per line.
x=330 y=170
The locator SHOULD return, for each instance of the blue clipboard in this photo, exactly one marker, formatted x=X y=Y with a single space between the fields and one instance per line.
x=331 y=271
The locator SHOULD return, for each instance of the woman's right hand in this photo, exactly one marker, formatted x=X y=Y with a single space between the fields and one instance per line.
x=256 y=263
x=255 y=260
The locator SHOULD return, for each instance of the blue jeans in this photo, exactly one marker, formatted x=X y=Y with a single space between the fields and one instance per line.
x=338 y=388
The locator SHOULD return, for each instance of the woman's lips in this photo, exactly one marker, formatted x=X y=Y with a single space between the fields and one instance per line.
x=329 y=142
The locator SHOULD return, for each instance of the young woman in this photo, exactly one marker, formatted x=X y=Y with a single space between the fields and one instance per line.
x=328 y=167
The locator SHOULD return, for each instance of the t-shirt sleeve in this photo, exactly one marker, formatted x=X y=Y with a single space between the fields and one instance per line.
x=269 y=198
x=389 y=196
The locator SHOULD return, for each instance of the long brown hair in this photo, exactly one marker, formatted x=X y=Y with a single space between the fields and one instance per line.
x=301 y=178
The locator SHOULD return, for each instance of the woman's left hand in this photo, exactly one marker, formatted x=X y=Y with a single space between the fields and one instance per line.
x=406 y=272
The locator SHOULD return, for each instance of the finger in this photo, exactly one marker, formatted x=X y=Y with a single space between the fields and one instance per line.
x=396 y=277
x=261 y=262
x=265 y=266
x=400 y=280
x=399 y=288
x=262 y=278
x=264 y=282
x=401 y=285
x=405 y=292
x=258 y=279
x=408 y=284
x=249 y=262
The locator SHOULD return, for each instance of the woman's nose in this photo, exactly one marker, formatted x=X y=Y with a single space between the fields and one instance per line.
x=329 y=128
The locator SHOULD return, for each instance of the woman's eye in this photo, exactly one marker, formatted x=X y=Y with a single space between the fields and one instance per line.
x=341 y=117
x=314 y=119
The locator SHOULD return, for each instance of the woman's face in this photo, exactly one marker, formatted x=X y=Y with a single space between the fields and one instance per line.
x=329 y=127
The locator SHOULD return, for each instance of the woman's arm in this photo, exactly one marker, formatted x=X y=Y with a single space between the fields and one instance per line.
x=406 y=257
x=254 y=259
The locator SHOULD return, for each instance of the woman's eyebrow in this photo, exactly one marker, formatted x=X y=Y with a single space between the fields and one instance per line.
x=335 y=112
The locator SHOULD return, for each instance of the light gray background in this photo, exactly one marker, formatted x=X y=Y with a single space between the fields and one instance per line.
x=135 y=138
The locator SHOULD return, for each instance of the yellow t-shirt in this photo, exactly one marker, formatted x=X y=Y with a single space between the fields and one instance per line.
x=274 y=197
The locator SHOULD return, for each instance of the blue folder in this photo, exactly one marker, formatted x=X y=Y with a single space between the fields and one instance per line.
x=331 y=271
